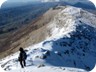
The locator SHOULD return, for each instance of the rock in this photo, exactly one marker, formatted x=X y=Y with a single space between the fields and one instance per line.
x=41 y=65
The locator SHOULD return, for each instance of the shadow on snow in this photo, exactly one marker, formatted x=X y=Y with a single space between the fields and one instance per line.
x=77 y=51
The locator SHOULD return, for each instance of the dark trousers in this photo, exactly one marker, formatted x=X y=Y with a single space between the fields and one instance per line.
x=23 y=63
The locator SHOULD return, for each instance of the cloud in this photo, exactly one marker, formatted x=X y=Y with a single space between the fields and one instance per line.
x=1 y=2
x=94 y=2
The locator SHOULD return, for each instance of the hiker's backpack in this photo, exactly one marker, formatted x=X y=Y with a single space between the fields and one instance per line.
x=24 y=55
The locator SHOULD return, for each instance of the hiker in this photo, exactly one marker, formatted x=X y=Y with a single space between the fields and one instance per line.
x=22 y=57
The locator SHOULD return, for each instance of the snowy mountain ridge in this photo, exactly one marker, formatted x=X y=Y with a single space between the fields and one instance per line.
x=85 y=4
x=70 y=46
x=69 y=18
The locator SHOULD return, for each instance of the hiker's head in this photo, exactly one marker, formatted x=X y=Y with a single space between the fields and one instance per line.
x=21 y=49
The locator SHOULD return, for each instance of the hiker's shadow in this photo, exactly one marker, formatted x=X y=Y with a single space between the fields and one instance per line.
x=76 y=51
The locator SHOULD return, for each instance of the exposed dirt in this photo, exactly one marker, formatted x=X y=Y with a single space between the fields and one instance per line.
x=27 y=35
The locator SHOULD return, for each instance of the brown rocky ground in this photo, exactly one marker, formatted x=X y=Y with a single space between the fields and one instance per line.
x=27 y=35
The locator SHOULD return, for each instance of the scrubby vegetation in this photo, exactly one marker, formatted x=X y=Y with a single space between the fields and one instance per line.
x=14 y=18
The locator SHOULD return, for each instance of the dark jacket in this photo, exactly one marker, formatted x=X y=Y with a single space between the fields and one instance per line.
x=22 y=56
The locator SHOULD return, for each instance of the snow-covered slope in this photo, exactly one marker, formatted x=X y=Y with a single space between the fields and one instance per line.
x=70 y=46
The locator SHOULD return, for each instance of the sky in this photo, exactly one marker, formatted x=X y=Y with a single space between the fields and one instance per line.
x=2 y=1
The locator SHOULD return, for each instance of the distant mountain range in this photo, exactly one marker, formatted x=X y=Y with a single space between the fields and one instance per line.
x=9 y=4
x=50 y=0
x=77 y=3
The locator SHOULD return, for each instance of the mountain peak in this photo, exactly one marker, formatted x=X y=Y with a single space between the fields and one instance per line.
x=70 y=17
x=71 y=44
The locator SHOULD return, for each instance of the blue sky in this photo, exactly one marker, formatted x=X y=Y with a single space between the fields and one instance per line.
x=23 y=0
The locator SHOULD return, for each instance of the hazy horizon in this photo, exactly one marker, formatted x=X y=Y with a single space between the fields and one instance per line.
x=2 y=1
x=9 y=1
